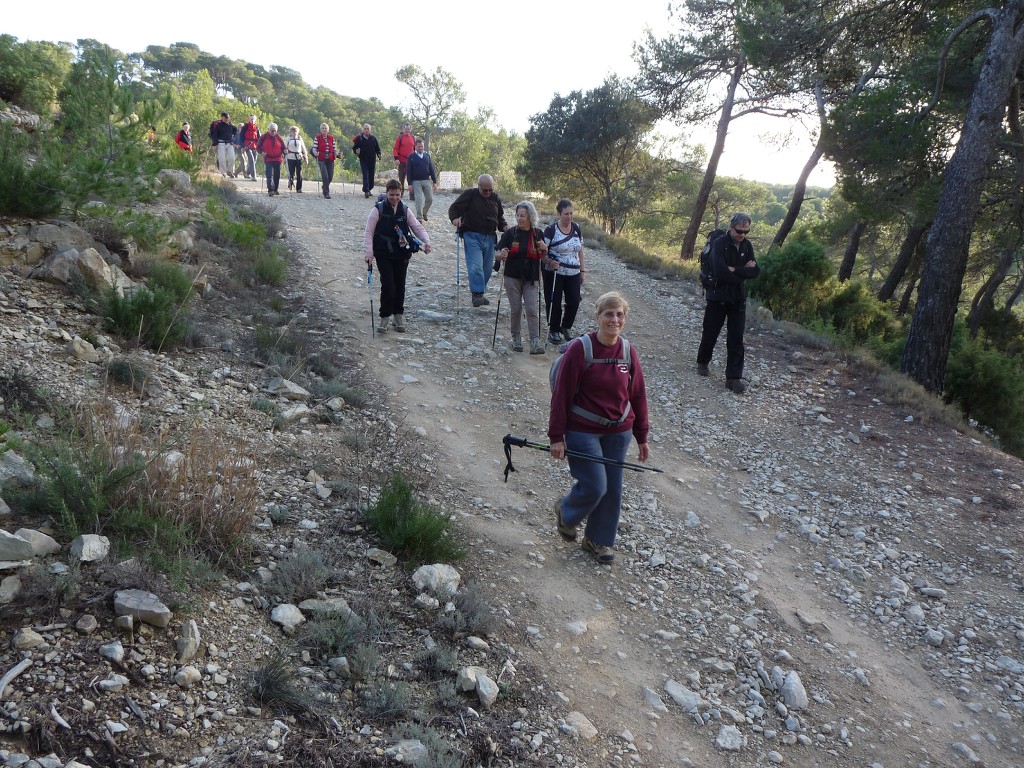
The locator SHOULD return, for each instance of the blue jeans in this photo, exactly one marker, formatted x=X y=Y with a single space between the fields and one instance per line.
x=273 y=170
x=597 y=495
x=479 y=259
x=249 y=162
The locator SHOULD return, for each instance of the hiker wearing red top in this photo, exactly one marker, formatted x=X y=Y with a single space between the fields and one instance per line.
x=183 y=138
x=598 y=405
x=248 y=139
x=325 y=150
x=405 y=145
x=271 y=146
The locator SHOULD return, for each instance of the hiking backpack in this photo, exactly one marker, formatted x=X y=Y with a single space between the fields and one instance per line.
x=707 y=272
x=589 y=359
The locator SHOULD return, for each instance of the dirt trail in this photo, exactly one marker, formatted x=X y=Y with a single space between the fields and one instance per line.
x=710 y=444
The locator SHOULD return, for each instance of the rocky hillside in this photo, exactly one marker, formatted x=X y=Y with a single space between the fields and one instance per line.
x=824 y=575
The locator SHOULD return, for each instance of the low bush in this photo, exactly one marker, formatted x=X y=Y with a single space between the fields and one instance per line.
x=269 y=265
x=333 y=634
x=391 y=701
x=795 y=281
x=855 y=314
x=412 y=530
x=154 y=315
x=988 y=386
x=302 y=574
x=170 y=499
x=276 y=687
x=26 y=189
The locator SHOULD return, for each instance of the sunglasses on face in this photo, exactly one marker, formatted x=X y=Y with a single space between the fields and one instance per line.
x=741 y=231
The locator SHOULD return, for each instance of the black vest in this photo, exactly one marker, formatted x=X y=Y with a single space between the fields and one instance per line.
x=385 y=237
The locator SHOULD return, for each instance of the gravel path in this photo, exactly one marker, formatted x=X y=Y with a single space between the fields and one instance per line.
x=819 y=578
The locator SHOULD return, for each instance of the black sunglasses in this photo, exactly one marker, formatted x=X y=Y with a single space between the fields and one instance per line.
x=741 y=231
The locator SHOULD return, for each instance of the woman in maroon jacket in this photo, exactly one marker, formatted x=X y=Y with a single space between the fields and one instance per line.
x=599 y=404
x=271 y=146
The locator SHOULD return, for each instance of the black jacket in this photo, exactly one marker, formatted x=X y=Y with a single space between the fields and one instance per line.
x=479 y=214
x=729 y=285
x=518 y=264
x=221 y=132
x=367 y=146
x=386 y=236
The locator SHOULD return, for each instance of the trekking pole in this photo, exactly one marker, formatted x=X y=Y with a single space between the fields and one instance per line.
x=458 y=275
x=369 y=282
x=521 y=442
x=497 y=312
x=551 y=299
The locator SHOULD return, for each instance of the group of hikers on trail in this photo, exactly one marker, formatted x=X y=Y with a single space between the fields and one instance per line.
x=598 y=399
x=598 y=395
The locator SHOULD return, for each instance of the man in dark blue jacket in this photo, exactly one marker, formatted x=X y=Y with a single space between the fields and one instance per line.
x=222 y=135
x=422 y=176
x=732 y=263
x=367 y=149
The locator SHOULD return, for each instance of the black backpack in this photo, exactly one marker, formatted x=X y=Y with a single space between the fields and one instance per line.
x=707 y=273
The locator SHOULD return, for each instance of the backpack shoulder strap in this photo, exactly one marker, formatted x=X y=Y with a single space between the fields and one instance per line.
x=588 y=348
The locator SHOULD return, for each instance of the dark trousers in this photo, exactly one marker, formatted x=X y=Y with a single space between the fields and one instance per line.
x=556 y=288
x=392 y=272
x=273 y=174
x=369 y=168
x=717 y=313
x=326 y=174
x=295 y=173
x=401 y=174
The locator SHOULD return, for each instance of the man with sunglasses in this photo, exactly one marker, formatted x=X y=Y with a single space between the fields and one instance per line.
x=732 y=263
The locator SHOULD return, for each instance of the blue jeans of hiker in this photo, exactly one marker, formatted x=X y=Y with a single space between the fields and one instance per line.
x=597 y=494
x=479 y=259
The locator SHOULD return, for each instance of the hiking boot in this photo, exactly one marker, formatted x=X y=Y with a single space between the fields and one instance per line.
x=536 y=346
x=382 y=326
x=516 y=345
x=736 y=385
x=703 y=370
x=567 y=532
x=479 y=300
x=399 y=322
x=604 y=555
x=567 y=334
x=554 y=338
x=291 y=186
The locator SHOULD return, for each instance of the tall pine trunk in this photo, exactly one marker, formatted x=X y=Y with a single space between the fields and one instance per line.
x=931 y=330
x=704 y=193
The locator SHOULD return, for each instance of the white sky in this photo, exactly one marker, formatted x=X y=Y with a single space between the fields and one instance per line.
x=512 y=57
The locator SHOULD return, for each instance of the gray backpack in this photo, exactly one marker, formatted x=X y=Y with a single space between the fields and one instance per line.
x=589 y=359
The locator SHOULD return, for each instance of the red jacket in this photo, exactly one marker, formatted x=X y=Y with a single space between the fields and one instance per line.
x=250 y=135
x=405 y=145
x=272 y=147
x=324 y=147
x=183 y=140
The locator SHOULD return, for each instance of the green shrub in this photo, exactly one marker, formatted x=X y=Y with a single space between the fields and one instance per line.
x=275 y=687
x=302 y=574
x=25 y=190
x=855 y=313
x=333 y=633
x=148 y=231
x=989 y=387
x=149 y=317
x=269 y=265
x=412 y=530
x=129 y=372
x=795 y=281
x=154 y=315
x=390 y=702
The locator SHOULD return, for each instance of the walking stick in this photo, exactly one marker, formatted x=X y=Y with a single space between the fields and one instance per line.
x=497 y=312
x=521 y=442
x=551 y=298
x=458 y=275
x=369 y=282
